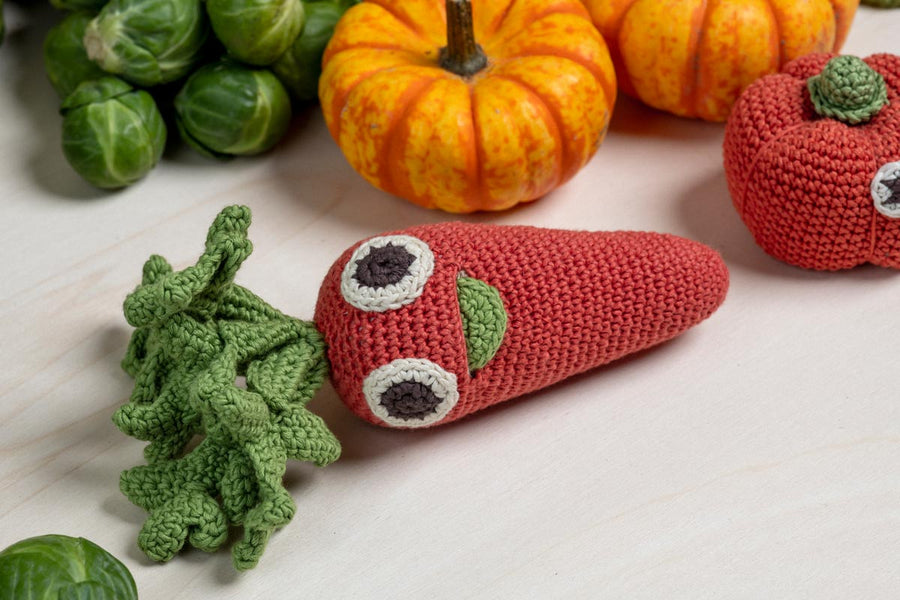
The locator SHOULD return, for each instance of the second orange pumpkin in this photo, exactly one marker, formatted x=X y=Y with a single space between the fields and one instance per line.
x=521 y=119
x=694 y=57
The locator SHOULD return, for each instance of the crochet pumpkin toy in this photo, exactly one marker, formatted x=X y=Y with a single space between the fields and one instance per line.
x=812 y=157
x=419 y=327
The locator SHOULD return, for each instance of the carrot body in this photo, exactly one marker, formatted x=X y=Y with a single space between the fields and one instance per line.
x=574 y=301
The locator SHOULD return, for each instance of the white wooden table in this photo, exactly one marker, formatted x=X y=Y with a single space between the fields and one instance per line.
x=757 y=456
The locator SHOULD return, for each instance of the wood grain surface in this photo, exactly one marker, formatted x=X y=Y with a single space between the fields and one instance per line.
x=757 y=456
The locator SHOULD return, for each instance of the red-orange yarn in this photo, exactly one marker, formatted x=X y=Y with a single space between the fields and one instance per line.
x=574 y=300
x=802 y=182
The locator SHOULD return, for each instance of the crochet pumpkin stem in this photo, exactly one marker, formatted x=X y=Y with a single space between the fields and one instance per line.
x=462 y=55
x=848 y=90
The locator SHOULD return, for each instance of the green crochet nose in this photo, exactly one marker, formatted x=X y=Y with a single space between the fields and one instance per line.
x=483 y=318
x=848 y=90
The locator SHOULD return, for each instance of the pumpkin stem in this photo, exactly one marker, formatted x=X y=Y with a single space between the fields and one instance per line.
x=461 y=55
x=848 y=90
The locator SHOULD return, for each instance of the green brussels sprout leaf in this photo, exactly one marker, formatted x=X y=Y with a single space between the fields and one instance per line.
x=300 y=67
x=112 y=134
x=226 y=108
x=197 y=145
x=65 y=60
x=147 y=42
x=98 y=90
x=59 y=567
x=256 y=31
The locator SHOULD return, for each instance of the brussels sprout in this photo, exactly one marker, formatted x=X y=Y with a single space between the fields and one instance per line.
x=112 y=134
x=65 y=60
x=91 y=6
x=147 y=42
x=51 y=567
x=299 y=68
x=256 y=31
x=225 y=108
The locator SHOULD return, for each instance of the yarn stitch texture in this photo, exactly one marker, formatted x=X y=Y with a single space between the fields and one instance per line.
x=433 y=378
x=802 y=181
x=574 y=300
x=396 y=293
x=848 y=90
x=195 y=333
x=484 y=320
x=886 y=190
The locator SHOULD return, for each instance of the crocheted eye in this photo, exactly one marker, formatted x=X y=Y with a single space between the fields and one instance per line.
x=410 y=392
x=886 y=190
x=387 y=272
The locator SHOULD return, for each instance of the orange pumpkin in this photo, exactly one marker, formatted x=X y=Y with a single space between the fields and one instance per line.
x=512 y=106
x=694 y=57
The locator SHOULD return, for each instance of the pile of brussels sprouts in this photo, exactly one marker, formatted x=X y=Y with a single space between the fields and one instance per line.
x=223 y=72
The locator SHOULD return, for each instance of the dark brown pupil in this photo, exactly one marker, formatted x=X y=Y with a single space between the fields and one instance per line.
x=383 y=266
x=410 y=400
x=893 y=186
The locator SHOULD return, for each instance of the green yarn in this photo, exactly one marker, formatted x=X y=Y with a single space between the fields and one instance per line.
x=483 y=318
x=196 y=332
x=883 y=3
x=848 y=90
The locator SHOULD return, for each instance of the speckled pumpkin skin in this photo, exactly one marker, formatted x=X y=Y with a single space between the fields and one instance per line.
x=694 y=57
x=508 y=134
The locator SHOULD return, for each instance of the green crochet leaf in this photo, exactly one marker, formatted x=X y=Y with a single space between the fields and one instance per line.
x=164 y=293
x=197 y=333
x=484 y=320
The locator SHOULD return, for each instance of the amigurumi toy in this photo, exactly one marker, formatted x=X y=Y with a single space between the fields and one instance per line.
x=420 y=327
x=812 y=157
x=430 y=324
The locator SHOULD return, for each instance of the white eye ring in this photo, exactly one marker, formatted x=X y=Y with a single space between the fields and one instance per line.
x=391 y=296
x=884 y=184
x=422 y=376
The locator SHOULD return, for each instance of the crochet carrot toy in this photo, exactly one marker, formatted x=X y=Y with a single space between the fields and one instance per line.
x=420 y=327
x=436 y=322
